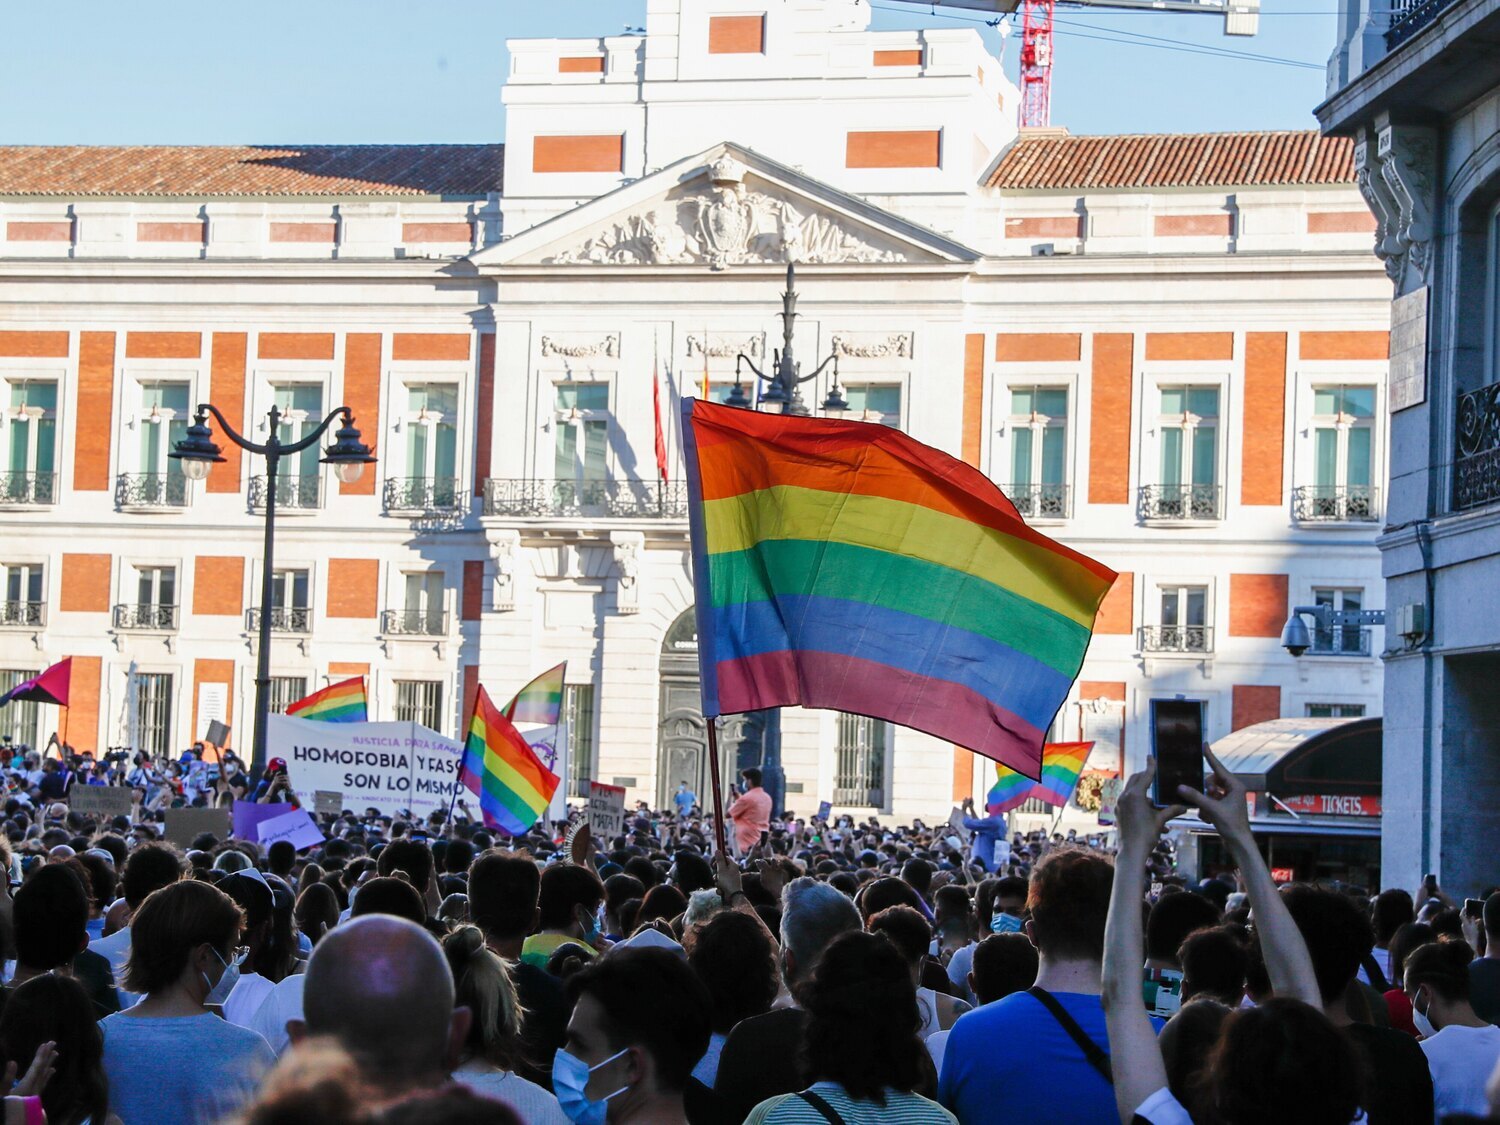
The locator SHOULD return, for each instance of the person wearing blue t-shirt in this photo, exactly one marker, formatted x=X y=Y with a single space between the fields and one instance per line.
x=1015 y=1060
x=684 y=799
x=988 y=831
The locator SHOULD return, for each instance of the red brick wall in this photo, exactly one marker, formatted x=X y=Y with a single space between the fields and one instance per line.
x=1117 y=611
x=214 y=672
x=85 y=584
x=973 y=408
x=900 y=148
x=96 y=401
x=58 y=231
x=304 y=232
x=601 y=152
x=429 y=345
x=1101 y=689
x=193 y=231
x=33 y=345
x=362 y=397
x=1189 y=345
x=295 y=345
x=1344 y=345
x=437 y=232
x=1255 y=703
x=163 y=345
x=484 y=411
x=1257 y=604
x=898 y=58
x=218 y=586
x=473 y=591
x=471 y=693
x=1265 y=418
x=1109 y=447
x=1341 y=222
x=354 y=588
x=1188 y=226
x=84 y=684
x=343 y=670
x=1038 y=347
x=227 y=391
x=1045 y=226
x=581 y=64
x=736 y=35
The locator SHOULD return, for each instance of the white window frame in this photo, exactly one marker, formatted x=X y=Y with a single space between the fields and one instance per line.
x=399 y=382
x=13 y=374
x=1308 y=378
x=1189 y=423
x=30 y=566
x=1152 y=615
x=136 y=572
x=861 y=379
x=1008 y=424
x=136 y=415
x=285 y=374
x=609 y=416
x=1212 y=374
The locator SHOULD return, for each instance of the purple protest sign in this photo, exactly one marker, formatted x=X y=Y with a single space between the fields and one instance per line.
x=248 y=815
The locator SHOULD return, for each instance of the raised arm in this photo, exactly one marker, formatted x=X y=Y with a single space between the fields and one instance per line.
x=1135 y=1057
x=1288 y=963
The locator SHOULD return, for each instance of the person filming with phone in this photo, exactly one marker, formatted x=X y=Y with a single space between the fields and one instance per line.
x=751 y=812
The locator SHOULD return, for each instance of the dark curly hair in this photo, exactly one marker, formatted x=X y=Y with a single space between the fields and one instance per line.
x=863 y=1020
x=1282 y=1061
x=736 y=959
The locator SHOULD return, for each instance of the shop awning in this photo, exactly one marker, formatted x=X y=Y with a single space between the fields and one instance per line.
x=1297 y=757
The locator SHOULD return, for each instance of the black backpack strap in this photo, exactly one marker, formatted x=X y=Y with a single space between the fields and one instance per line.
x=1372 y=970
x=830 y=1114
x=1098 y=1058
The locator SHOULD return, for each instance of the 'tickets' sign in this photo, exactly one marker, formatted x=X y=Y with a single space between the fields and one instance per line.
x=1325 y=804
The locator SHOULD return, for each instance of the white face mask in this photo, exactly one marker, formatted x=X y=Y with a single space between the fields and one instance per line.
x=1419 y=1017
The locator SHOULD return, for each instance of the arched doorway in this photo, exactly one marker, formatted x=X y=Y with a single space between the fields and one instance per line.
x=682 y=733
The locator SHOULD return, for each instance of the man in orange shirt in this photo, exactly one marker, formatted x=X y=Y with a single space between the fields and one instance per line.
x=751 y=812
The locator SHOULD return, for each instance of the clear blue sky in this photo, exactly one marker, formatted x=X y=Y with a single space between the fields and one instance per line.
x=208 y=71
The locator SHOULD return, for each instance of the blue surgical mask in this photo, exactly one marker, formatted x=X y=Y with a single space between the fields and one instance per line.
x=218 y=993
x=570 y=1080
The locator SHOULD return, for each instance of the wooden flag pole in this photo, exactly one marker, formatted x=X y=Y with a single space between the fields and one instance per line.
x=713 y=769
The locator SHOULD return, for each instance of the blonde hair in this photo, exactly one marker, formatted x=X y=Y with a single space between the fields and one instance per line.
x=482 y=983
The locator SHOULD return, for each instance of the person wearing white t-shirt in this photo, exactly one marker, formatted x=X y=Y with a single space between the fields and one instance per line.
x=1462 y=1050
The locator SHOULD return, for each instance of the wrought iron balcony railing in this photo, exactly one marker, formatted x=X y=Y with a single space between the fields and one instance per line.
x=151 y=490
x=1177 y=638
x=414 y=623
x=1340 y=640
x=1476 y=469
x=1409 y=17
x=298 y=493
x=1324 y=503
x=284 y=619
x=1177 y=502
x=28 y=488
x=424 y=495
x=1039 y=501
x=621 y=499
x=31 y=615
x=146 y=617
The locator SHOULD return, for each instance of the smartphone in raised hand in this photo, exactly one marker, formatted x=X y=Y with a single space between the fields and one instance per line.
x=1177 y=744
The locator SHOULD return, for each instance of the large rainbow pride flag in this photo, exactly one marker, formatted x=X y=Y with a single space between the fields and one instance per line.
x=541 y=700
x=1062 y=762
x=503 y=772
x=343 y=702
x=845 y=565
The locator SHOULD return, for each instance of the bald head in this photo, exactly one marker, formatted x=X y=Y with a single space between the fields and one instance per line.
x=381 y=986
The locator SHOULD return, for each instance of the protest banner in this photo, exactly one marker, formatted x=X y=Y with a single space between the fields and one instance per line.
x=248 y=816
x=296 y=827
x=107 y=801
x=825 y=810
x=185 y=825
x=384 y=766
x=328 y=802
x=606 y=810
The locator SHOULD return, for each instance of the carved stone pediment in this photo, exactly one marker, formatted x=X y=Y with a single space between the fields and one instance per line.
x=725 y=217
x=873 y=345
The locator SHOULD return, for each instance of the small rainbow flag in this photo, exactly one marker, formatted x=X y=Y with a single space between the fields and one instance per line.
x=343 y=702
x=512 y=785
x=847 y=566
x=539 y=701
x=1062 y=762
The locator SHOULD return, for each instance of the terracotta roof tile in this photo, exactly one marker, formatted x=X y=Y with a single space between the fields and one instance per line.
x=229 y=170
x=1170 y=160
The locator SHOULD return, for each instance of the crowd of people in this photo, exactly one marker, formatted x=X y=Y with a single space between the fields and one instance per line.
x=428 y=970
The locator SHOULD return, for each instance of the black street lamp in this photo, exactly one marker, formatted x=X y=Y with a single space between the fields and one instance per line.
x=786 y=375
x=198 y=453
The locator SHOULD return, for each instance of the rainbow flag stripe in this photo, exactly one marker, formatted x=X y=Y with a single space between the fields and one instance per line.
x=846 y=565
x=541 y=700
x=1062 y=762
x=343 y=702
x=513 y=787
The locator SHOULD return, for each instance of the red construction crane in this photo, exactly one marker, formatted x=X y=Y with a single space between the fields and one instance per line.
x=1241 y=17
